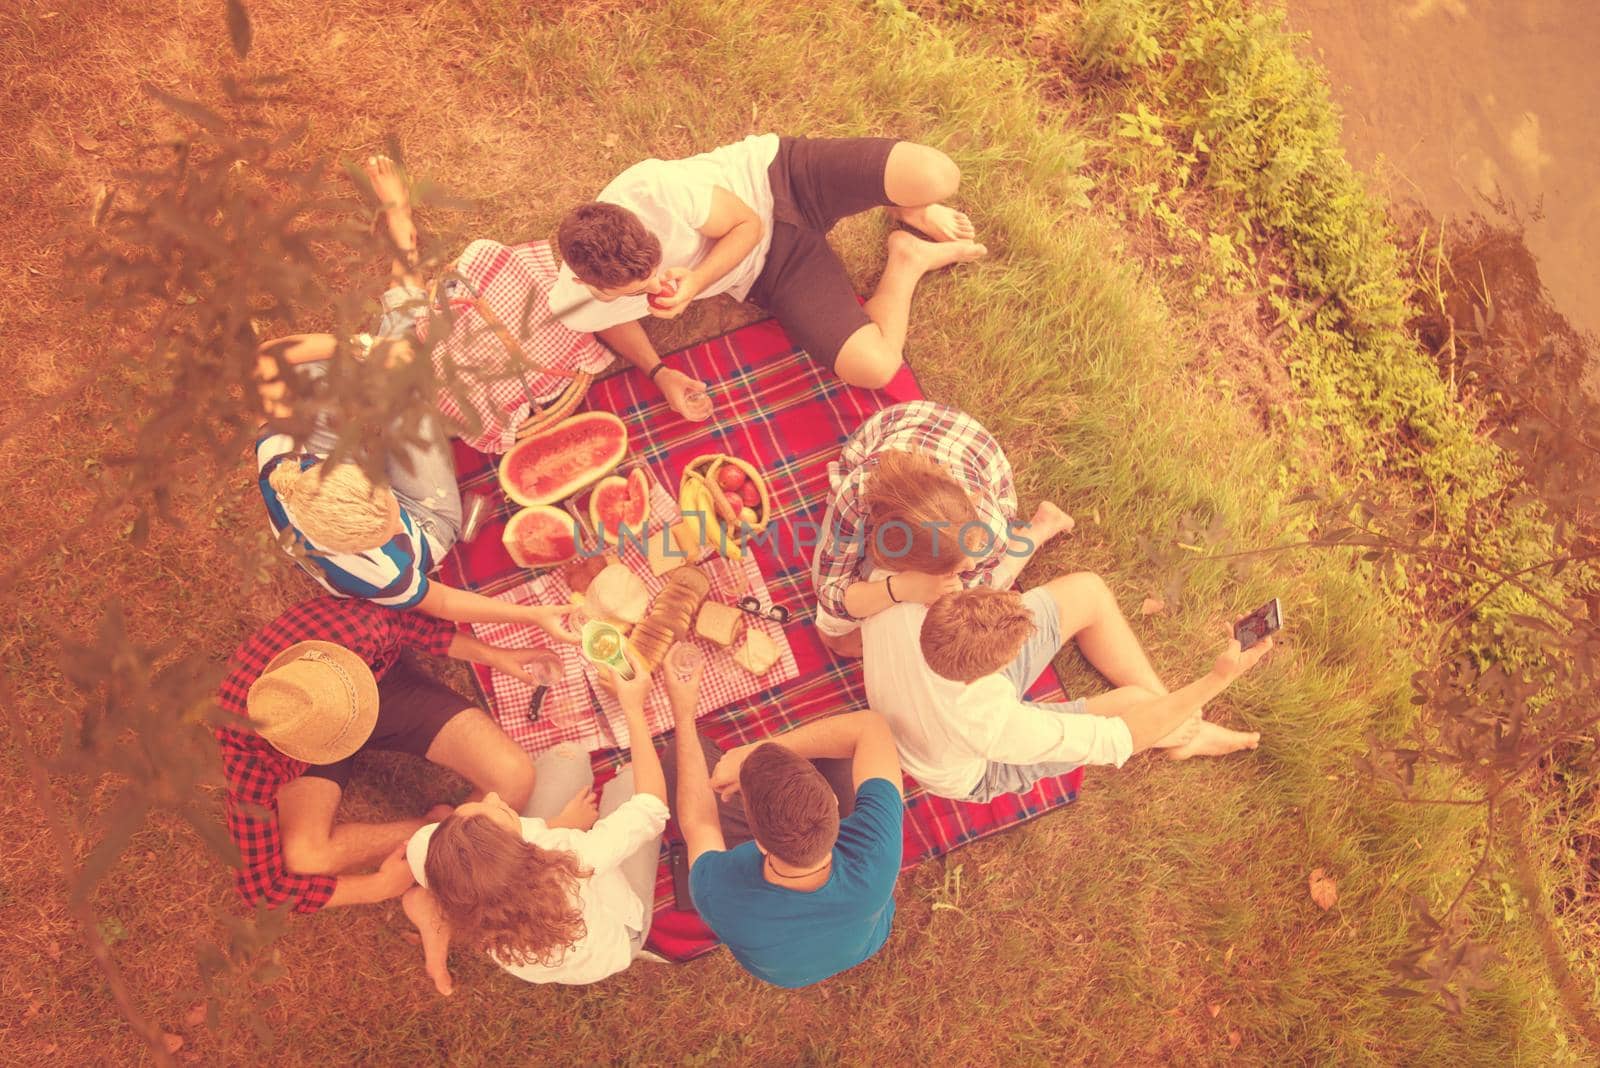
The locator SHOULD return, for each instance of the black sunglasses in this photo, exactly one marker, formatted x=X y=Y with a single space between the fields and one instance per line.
x=777 y=613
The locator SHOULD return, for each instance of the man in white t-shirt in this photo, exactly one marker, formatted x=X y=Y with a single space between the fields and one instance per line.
x=950 y=678
x=751 y=219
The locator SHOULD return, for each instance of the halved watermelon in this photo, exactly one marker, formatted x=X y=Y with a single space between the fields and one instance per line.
x=556 y=463
x=621 y=502
x=541 y=536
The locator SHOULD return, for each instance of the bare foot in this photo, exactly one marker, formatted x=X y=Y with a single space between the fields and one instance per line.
x=938 y=221
x=394 y=197
x=1048 y=521
x=423 y=911
x=924 y=256
x=1214 y=740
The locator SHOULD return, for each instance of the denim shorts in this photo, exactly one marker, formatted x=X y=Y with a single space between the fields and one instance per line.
x=1029 y=664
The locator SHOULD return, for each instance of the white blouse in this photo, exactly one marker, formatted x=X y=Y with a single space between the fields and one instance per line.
x=612 y=912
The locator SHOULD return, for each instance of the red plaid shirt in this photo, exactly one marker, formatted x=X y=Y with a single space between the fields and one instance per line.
x=477 y=372
x=255 y=770
x=956 y=442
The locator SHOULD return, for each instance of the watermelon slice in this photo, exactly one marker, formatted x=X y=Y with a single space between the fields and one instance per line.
x=541 y=536
x=556 y=463
x=619 y=502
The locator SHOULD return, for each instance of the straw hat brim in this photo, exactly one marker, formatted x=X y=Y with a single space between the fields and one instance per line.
x=364 y=715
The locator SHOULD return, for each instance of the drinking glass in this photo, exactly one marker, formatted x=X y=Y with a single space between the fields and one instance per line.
x=545 y=668
x=698 y=405
x=684 y=658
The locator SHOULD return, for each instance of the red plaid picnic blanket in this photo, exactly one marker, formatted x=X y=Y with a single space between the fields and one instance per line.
x=777 y=408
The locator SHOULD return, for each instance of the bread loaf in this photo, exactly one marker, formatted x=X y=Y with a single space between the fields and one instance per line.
x=719 y=623
x=671 y=616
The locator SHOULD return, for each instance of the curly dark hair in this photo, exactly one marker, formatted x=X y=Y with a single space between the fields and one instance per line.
x=503 y=894
x=607 y=246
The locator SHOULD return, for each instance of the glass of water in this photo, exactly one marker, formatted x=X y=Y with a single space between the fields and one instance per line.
x=684 y=659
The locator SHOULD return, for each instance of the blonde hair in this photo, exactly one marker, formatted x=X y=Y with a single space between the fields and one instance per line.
x=974 y=633
x=916 y=514
x=336 y=507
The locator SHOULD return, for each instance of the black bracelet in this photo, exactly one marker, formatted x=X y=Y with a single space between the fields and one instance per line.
x=888 y=585
x=657 y=369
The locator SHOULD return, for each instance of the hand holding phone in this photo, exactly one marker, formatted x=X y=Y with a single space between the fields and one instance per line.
x=1259 y=625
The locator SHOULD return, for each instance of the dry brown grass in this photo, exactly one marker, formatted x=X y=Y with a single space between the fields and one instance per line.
x=1102 y=934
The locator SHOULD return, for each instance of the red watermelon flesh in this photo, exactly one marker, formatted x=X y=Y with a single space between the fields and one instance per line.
x=617 y=502
x=541 y=536
x=556 y=463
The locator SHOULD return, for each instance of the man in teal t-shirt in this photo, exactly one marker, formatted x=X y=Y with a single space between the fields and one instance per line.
x=811 y=894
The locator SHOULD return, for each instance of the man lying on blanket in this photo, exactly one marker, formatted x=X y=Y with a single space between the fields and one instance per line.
x=751 y=219
x=950 y=678
x=798 y=879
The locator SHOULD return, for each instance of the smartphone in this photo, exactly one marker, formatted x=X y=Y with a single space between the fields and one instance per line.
x=1262 y=623
x=678 y=858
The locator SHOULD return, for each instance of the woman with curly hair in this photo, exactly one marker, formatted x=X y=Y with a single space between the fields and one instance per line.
x=556 y=894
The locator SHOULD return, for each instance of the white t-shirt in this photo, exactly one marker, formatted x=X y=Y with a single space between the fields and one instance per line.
x=948 y=732
x=612 y=912
x=673 y=200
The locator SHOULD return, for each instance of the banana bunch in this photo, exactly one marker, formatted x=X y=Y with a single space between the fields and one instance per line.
x=732 y=496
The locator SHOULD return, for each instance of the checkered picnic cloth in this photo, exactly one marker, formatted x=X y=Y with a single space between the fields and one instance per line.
x=777 y=408
x=481 y=391
x=578 y=709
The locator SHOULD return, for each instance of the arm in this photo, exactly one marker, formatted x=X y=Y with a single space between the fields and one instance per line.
x=736 y=230
x=463 y=606
x=464 y=646
x=648 y=777
x=863 y=736
x=631 y=343
x=696 y=804
x=863 y=598
x=392 y=879
x=281 y=352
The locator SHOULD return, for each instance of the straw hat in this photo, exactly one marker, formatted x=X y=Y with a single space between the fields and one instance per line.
x=316 y=701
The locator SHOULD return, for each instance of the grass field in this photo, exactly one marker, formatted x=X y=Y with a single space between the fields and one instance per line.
x=1162 y=919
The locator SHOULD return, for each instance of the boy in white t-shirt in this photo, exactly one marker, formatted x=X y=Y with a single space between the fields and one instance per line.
x=950 y=678
x=751 y=219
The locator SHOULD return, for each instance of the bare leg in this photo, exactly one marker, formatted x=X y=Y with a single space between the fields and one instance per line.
x=389 y=183
x=1090 y=616
x=314 y=845
x=917 y=178
x=473 y=746
x=871 y=356
x=1123 y=698
x=423 y=910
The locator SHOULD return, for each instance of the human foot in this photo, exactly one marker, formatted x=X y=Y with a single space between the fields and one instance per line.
x=1183 y=733
x=394 y=197
x=915 y=253
x=938 y=221
x=1213 y=740
x=1047 y=522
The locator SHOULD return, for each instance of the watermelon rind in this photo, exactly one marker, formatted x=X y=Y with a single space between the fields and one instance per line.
x=539 y=513
x=532 y=449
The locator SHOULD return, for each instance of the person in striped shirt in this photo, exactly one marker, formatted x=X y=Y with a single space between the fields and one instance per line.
x=355 y=538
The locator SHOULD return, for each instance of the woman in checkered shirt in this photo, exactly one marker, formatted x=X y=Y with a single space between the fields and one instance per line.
x=922 y=503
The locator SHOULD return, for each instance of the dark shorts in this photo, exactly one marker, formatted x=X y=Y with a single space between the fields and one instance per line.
x=815 y=183
x=412 y=708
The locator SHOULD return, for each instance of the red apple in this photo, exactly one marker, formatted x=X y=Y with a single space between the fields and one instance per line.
x=669 y=288
x=750 y=494
x=730 y=478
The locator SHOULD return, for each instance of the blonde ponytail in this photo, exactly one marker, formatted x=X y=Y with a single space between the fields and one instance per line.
x=337 y=508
